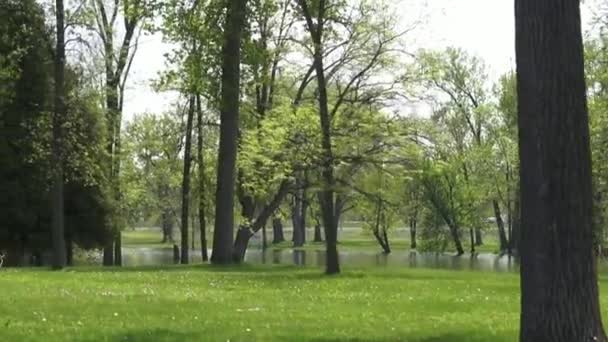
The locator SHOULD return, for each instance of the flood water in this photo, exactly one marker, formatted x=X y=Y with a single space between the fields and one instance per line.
x=481 y=262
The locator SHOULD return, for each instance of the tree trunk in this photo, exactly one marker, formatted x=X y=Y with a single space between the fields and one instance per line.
x=478 y=237
x=296 y=219
x=502 y=236
x=193 y=233
x=413 y=223
x=185 y=248
x=230 y=98
x=264 y=239
x=455 y=232
x=559 y=290
x=473 y=244
x=57 y=204
x=118 y=249
x=202 y=219
x=515 y=239
x=318 y=235
x=277 y=231
x=69 y=251
x=108 y=253
x=240 y=243
x=176 y=254
x=246 y=232
x=316 y=30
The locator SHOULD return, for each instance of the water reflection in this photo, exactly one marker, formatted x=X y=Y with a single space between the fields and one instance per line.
x=411 y=259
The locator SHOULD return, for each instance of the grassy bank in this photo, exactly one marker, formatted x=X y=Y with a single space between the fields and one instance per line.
x=258 y=304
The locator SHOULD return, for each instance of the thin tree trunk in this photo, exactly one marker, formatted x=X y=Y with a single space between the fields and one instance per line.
x=413 y=223
x=202 y=196
x=118 y=249
x=559 y=283
x=471 y=231
x=316 y=30
x=185 y=248
x=318 y=235
x=193 y=233
x=296 y=218
x=230 y=98
x=502 y=236
x=478 y=237
x=455 y=232
x=57 y=204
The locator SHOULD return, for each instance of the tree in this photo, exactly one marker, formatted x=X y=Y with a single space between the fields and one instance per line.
x=59 y=251
x=230 y=99
x=559 y=290
x=117 y=59
x=185 y=259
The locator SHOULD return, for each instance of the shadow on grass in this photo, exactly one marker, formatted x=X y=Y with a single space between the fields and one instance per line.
x=153 y=335
x=291 y=272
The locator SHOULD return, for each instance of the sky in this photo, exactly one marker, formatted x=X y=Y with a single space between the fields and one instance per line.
x=485 y=28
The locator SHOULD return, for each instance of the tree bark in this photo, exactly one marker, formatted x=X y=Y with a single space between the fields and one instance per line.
x=277 y=231
x=185 y=248
x=224 y=197
x=202 y=196
x=57 y=200
x=473 y=243
x=478 y=237
x=502 y=236
x=413 y=223
x=296 y=219
x=118 y=249
x=108 y=253
x=316 y=30
x=318 y=235
x=245 y=233
x=559 y=290
x=69 y=251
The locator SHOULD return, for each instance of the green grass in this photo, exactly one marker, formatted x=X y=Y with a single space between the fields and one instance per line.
x=257 y=304
x=205 y=303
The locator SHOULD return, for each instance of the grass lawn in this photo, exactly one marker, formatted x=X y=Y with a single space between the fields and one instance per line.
x=247 y=303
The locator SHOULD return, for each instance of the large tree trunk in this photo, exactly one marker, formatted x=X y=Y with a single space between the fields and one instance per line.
x=202 y=219
x=502 y=236
x=57 y=204
x=69 y=251
x=559 y=290
x=224 y=197
x=515 y=238
x=185 y=248
x=108 y=253
x=277 y=231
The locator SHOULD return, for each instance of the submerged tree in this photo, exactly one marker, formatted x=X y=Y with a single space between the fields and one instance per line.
x=559 y=289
